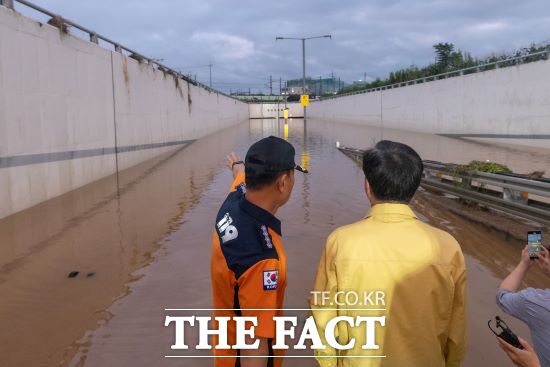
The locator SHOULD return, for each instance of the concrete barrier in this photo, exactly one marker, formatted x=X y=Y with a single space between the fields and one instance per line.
x=269 y=110
x=72 y=112
x=509 y=105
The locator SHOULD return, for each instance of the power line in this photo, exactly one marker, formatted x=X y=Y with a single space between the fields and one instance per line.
x=191 y=67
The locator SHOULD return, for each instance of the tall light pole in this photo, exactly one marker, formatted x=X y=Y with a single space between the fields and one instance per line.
x=210 y=66
x=303 y=58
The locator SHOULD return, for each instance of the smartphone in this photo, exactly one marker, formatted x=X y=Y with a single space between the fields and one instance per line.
x=534 y=244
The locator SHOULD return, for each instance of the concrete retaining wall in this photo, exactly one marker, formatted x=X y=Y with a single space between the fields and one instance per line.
x=506 y=105
x=72 y=112
x=269 y=110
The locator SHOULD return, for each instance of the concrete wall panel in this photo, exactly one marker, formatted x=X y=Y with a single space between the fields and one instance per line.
x=269 y=110
x=66 y=106
x=509 y=104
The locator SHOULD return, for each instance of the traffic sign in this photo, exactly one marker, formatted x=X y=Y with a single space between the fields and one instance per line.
x=304 y=100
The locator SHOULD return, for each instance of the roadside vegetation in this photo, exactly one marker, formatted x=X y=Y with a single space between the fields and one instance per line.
x=479 y=166
x=447 y=59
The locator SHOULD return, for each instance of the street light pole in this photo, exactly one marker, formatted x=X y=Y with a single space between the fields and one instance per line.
x=304 y=70
x=210 y=66
x=303 y=58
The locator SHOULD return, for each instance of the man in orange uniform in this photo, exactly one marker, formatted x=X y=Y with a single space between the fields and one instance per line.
x=248 y=265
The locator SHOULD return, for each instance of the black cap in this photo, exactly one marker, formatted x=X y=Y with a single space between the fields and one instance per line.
x=270 y=155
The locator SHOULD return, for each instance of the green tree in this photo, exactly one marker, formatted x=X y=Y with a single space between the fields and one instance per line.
x=443 y=51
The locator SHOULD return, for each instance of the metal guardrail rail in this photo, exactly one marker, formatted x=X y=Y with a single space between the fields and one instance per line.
x=513 y=194
x=517 y=60
x=95 y=37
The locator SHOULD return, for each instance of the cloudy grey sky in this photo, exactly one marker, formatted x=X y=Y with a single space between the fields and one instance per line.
x=372 y=36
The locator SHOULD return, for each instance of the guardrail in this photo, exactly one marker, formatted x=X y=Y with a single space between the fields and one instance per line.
x=517 y=60
x=95 y=37
x=513 y=194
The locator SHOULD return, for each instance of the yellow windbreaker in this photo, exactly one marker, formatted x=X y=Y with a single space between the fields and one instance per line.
x=421 y=272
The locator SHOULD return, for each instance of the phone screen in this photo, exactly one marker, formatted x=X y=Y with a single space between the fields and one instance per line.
x=534 y=242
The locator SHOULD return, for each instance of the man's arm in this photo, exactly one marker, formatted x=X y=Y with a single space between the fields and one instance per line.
x=262 y=351
x=513 y=281
x=508 y=298
x=234 y=163
x=325 y=283
x=456 y=342
x=259 y=297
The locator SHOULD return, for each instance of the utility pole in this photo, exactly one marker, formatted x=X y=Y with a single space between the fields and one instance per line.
x=304 y=70
x=280 y=86
x=320 y=85
x=210 y=66
x=286 y=87
x=303 y=58
x=270 y=85
x=365 y=78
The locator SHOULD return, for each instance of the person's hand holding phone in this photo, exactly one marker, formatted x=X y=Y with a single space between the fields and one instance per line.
x=544 y=260
x=525 y=258
x=520 y=357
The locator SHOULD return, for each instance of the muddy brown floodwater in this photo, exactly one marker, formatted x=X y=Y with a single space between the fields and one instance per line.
x=141 y=243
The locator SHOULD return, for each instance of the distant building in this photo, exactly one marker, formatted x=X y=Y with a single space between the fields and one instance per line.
x=259 y=97
x=314 y=86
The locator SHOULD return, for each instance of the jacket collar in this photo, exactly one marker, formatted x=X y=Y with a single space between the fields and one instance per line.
x=260 y=215
x=391 y=210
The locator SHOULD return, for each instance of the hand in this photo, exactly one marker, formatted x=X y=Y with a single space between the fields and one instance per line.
x=235 y=168
x=525 y=260
x=520 y=357
x=544 y=260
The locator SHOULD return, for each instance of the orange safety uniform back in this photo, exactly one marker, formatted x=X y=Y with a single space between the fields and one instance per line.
x=248 y=270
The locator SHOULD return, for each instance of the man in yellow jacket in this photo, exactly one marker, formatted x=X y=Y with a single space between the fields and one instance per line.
x=408 y=276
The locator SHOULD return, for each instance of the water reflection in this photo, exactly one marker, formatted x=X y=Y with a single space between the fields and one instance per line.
x=104 y=231
x=161 y=223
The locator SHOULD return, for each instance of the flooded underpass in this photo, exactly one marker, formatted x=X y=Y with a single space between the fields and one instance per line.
x=141 y=243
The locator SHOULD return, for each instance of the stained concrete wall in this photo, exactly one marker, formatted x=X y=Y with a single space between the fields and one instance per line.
x=506 y=105
x=68 y=105
x=269 y=110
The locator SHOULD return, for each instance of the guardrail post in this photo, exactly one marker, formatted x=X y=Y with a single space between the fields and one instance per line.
x=515 y=196
x=429 y=175
x=93 y=38
x=118 y=48
x=7 y=4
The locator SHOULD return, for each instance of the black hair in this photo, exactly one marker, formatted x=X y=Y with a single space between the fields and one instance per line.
x=259 y=181
x=393 y=170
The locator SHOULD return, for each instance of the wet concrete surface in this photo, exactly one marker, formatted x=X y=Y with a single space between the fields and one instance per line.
x=146 y=237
